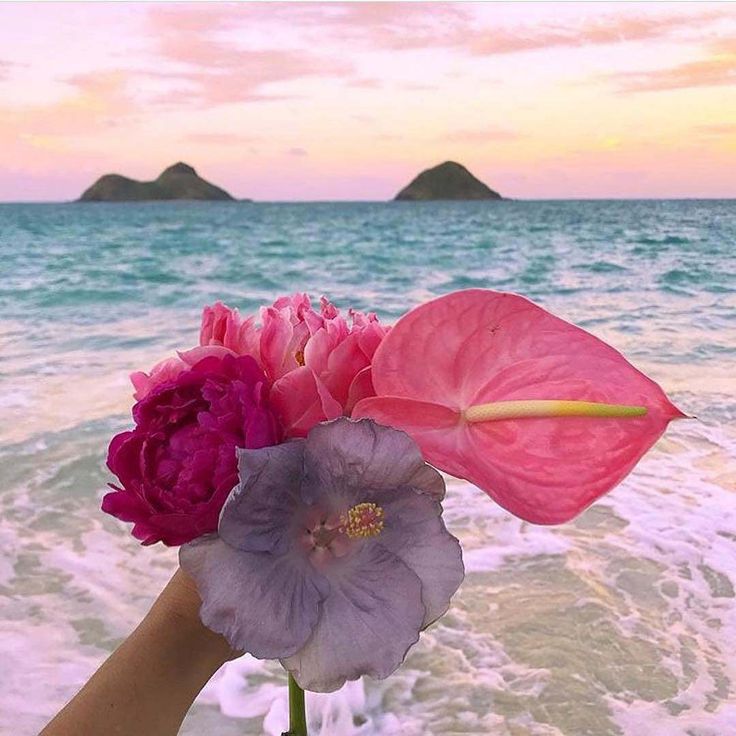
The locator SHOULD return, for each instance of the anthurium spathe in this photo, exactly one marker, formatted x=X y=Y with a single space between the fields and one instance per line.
x=541 y=415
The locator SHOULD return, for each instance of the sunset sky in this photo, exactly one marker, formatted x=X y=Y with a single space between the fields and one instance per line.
x=304 y=101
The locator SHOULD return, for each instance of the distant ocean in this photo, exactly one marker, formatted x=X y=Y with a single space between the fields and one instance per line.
x=622 y=622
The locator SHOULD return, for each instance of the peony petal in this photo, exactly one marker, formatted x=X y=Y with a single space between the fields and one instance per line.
x=259 y=514
x=345 y=362
x=276 y=335
x=475 y=347
x=414 y=531
x=124 y=506
x=220 y=325
x=163 y=372
x=317 y=350
x=195 y=355
x=361 y=388
x=302 y=401
x=266 y=605
x=369 y=620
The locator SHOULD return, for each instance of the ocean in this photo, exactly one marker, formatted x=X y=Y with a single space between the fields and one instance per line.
x=620 y=622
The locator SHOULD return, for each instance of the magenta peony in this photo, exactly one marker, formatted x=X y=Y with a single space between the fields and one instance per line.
x=178 y=465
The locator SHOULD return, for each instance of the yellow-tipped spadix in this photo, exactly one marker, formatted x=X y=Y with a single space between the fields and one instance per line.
x=539 y=408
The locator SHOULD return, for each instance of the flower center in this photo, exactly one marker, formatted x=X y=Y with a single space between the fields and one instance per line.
x=362 y=521
x=299 y=357
x=329 y=537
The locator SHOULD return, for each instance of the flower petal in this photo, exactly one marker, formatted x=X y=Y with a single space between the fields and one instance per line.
x=369 y=620
x=263 y=604
x=435 y=428
x=414 y=531
x=474 y=347
x=195 y=355
x=344 y=458
x=302 y=401
x=361 y=387
x=259 y=513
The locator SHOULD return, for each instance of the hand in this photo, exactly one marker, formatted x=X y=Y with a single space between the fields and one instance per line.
x=148 y=684
x=178 y=606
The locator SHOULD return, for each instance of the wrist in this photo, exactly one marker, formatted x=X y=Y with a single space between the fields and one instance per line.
x=176 y=614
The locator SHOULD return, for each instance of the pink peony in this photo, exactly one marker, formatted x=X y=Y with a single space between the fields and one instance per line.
x=222 y=326
x=319 y=363
x=178 y=465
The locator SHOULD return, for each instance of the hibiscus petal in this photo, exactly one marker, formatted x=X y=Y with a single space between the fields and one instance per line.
x=475 y=347
x=369 y=620
x=259 y=513
x=437 y=429
x=266 y=605
x=414 y=531
x=344 y=458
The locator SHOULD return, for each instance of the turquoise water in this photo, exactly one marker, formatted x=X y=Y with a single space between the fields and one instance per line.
x=623 y=617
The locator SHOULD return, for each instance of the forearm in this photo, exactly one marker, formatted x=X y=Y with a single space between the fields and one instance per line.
x=146 y=687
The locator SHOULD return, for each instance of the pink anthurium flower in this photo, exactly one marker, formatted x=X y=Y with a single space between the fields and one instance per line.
x=541 y=415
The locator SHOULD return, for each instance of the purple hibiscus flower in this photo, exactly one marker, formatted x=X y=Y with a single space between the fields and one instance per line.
x=331 y=554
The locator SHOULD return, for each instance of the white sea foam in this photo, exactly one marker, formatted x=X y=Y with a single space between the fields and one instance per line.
x=621 y=623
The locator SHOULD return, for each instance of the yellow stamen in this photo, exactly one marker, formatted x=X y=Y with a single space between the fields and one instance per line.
x=299 y=357
x=363 y=520
x=538 y=408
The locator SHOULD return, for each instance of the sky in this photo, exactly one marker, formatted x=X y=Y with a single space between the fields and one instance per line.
x=349 y=101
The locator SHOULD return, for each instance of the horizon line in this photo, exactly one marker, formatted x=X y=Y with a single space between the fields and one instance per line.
x=246 y=200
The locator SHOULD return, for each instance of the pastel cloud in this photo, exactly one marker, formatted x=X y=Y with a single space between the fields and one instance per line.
x=716 y=71
x=209 y=69
x=537 y=98
x=488 y=134
x=222 y=139
x=411 y=25
x=94 y=100
x=601 y=31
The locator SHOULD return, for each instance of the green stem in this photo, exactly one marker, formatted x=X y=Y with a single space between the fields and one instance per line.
x=297 y=714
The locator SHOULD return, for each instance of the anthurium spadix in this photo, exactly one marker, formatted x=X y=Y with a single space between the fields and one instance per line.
x=541 y=415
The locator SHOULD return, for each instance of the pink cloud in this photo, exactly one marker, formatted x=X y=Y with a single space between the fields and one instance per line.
x=96 y=100
x=482 y=135
x=411 y=25
x=217 y=71
x=222 y=139
x=205 y=66
x=716 y=71
x=602 y=31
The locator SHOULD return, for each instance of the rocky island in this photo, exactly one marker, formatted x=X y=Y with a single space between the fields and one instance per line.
x=449 y=180
x=179 y=181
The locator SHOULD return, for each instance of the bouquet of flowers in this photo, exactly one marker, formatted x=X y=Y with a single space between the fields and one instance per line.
x=295 y=461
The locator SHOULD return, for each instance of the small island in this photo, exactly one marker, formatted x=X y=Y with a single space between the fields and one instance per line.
x=448 y=181
x=179 y=181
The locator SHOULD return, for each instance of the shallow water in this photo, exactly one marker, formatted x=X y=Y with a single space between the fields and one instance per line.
x=622 y=622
